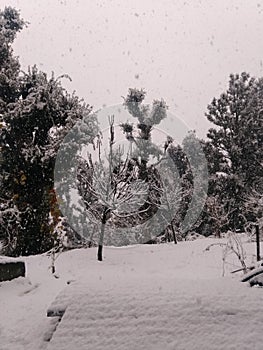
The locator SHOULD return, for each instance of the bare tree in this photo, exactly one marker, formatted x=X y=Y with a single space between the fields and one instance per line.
x=219 y=214
x=170 y=204
x=113 y=190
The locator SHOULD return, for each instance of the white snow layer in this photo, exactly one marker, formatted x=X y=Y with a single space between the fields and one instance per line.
x=143 y=297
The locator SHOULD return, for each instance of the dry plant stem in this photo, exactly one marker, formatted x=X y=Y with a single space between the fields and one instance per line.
x=233 y=245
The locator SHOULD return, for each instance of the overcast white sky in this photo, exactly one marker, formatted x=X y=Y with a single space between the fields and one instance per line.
x=182 y=51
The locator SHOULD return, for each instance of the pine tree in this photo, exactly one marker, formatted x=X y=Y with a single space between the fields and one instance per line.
x=237 y=136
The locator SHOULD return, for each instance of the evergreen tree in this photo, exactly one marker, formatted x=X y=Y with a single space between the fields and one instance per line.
x=10 y=25
x=216 y=203
x=181 y=162
x=237 y=136
x=37 y=113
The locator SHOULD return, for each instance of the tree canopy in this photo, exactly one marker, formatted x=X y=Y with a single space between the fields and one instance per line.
x=36 y=114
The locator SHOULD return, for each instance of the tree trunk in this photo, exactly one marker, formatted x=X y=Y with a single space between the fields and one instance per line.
x=100 y=252
x=258 y=243
x=173 y=231
x=101 y=238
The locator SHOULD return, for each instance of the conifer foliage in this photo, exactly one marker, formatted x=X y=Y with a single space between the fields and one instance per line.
x=236 y=141
x=36 y=114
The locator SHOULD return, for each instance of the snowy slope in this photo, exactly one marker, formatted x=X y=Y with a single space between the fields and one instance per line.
x=143 y=297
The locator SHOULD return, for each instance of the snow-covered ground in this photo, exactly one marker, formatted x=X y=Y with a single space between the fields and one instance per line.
x=142 y=297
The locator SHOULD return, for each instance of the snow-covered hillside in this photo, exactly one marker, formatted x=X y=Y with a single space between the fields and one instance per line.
x=142 y=297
